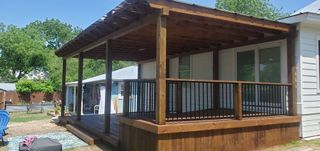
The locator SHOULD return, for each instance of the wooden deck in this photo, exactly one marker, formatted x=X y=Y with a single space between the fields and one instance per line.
x=94 y=124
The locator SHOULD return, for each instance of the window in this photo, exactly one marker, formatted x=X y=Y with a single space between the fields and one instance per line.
x=121 y=87
x=270 y=65
x=184 y=67
x=246 y=66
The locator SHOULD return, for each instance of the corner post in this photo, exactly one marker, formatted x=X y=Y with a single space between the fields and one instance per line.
x=80 y=78
x=292 y=92
x=161 y=41
x=108 y=87
x=63 y=86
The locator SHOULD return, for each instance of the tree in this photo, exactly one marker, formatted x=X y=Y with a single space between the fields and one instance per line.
x=19 y=54
x=54 y=32
x=256 y=8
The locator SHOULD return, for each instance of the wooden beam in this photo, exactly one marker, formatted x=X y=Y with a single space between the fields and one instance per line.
x=80 y=78
x=161 y=67
x=292 y=96
x=183 y=8
x=63 y=87
x=108 y=87
x=116 y=34
x=251 y=42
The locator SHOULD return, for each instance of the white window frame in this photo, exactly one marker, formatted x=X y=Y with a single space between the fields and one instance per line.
x=256 y=48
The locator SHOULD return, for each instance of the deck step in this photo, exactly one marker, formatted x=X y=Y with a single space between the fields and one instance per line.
x=82 y=134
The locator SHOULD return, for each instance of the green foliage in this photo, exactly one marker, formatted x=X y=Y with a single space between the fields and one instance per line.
x=31 y=48
x=25 y=86
x=54 y=32
x=19 y=54
x=256 y=8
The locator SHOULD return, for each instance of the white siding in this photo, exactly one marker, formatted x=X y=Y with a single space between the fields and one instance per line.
x=148 y=70
x=308 y=80
x=174 y=68
x=227 y=70
x=201 y=66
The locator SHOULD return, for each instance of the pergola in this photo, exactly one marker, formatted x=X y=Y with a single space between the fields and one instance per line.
x=139 y=30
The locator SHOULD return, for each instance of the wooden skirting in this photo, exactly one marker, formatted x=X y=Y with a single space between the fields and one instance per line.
x=224 y=135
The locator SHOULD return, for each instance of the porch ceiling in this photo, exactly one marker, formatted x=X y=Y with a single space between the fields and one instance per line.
x=190 y=28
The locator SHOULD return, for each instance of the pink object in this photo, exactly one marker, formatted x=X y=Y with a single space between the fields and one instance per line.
x=28 y=140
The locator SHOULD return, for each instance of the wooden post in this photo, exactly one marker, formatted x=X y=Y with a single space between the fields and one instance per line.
x=216 y=88
x=126 y=98
x=292 y=95
x=139 y=71
x=238 y=101
x=80 y=78
x=63 y=87
x=107 y=107
x=161 y=67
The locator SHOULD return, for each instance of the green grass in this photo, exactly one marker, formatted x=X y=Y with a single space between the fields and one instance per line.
x=19 y=117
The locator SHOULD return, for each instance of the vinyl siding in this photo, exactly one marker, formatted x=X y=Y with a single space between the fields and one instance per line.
x=309 y=80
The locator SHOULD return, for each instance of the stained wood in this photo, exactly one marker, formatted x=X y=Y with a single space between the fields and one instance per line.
x=108 y=87
x=205 y=125
x=217 y=14
x=227 y=81
x=63 y=86
x=79 y=91
x=230 y=139
x=161 y=67
x=118 y=33
x=89 y=139
x=126 y=98
x=292 y=104
x=238 y=101
x=216 y=88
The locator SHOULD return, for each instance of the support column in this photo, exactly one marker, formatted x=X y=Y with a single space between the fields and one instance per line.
x=161 y=67
x=63 y=86
x=215 y=76
x=108 y=85
x=292 y=72
x=80 y=78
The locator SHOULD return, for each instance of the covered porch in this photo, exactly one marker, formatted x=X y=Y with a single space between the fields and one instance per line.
x=159 y=31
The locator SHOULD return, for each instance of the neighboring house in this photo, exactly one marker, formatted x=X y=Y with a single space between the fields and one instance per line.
x=7 y=91
x=207 y=79
x=307 y=20
x=94 y=92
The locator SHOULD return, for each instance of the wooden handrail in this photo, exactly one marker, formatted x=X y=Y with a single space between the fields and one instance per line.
x=140 y=80
x=228 y=81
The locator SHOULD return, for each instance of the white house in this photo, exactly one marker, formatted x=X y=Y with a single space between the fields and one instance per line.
x=94 y=90
x=307 y=20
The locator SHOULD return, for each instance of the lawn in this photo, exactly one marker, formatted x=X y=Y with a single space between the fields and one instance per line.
x=19 y=117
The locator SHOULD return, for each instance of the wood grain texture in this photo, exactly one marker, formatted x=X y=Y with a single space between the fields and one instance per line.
x=240 y=139
x=161 y=67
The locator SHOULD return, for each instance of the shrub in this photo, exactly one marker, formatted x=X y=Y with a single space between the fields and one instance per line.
x=27 y=87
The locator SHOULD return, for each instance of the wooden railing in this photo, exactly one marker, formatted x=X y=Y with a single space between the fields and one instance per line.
x=207 y=99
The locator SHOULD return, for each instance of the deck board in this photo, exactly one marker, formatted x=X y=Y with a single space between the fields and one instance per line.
x=95 y=125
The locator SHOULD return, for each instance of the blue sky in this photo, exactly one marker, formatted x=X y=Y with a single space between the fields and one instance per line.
x=84 y=12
